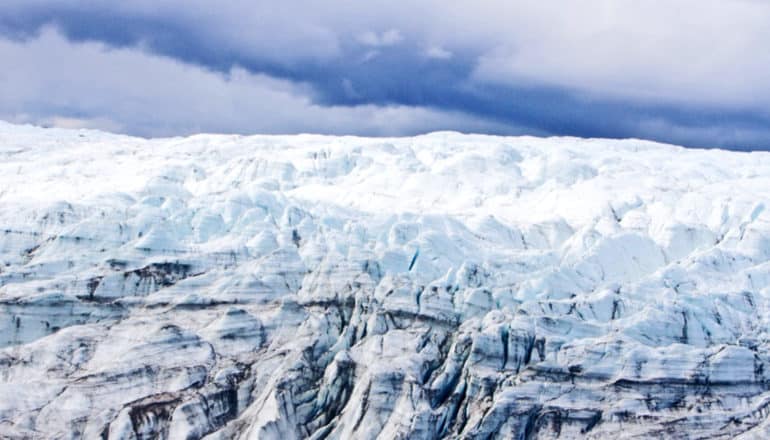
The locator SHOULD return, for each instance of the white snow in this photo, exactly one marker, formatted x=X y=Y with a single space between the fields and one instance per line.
x=400 y=268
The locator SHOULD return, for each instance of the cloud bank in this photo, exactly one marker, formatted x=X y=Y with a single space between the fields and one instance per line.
x=688 y=72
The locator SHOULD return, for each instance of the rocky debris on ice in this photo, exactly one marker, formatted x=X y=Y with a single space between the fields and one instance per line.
x=444 y=285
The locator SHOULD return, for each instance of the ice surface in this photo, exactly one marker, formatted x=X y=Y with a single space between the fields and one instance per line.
x=342 y=287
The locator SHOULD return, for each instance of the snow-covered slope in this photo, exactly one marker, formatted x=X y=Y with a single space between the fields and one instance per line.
x=339 y=287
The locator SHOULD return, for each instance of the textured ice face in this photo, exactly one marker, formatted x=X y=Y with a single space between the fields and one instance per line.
x=442 y=285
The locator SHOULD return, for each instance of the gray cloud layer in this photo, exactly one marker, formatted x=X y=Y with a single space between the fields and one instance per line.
x=691 y=72
x=129 y=91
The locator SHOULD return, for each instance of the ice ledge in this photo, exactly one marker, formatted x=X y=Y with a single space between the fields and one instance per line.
x=446 y=284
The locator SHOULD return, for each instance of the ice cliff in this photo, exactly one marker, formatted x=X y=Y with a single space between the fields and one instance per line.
x=440 y=286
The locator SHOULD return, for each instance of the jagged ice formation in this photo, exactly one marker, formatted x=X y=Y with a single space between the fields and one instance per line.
x=441 y=286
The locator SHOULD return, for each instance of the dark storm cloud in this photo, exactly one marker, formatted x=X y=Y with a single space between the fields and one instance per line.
x=691 y=72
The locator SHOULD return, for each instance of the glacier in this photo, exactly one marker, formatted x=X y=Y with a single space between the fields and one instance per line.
x=438 y=286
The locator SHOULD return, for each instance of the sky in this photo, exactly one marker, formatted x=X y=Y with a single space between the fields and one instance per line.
x=689 y=72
